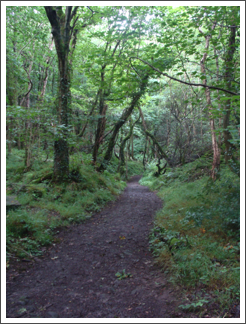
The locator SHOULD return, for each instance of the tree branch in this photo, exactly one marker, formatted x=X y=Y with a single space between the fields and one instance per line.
x=31 y=85
x=74 y=12
x=188 y=83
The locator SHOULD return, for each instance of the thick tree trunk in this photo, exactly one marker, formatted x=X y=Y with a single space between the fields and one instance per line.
x=62 y=34
x=61 y=152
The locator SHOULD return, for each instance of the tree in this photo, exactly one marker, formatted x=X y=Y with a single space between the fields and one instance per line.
x=215 y=147
x=192 y=20
x=124 y=117
x=65 y=39
x=122 y=162
x=191 y=93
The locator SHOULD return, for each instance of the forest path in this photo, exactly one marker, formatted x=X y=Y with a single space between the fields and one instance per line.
x=76 y=278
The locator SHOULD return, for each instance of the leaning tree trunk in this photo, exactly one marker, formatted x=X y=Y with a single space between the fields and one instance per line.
x=125 y=115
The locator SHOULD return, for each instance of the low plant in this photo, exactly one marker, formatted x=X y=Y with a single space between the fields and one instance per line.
x=194 y=306
x=31 y=226
x=196 y=235
x=123 y=275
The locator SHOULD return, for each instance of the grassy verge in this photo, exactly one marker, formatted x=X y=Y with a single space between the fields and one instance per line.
x=45 y=207
x=196 y=238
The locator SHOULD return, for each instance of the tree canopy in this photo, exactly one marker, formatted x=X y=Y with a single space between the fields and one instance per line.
x=76 y=77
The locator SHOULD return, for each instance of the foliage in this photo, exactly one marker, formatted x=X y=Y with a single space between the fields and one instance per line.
x=122 y=274
x=196 y=237
x=47 y=206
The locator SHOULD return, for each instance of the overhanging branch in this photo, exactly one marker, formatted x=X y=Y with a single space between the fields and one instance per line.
x=188 y=83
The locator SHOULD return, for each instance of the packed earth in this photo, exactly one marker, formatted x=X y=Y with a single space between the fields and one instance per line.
x=99 y=269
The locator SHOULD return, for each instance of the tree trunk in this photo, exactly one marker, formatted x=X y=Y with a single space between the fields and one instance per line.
x=46 y=70
x=201 y=125
x=145 y=147
x=219 y=105
x=100 y=129
x=91 y=112
x=122 y=164
x=216 y=151
x=62 y=34
x=28 y=124
x=125 y=115
x=61 y=152
x=228 y=78
x=8 y=134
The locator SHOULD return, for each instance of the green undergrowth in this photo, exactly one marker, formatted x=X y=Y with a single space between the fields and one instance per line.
x=196 y=238
x=132 y=167
x=46 y=206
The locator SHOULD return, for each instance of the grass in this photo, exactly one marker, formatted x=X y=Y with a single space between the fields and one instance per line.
x=196 y=238
x=47 y=206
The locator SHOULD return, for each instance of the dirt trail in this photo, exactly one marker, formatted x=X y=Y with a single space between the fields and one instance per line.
x=76 y=278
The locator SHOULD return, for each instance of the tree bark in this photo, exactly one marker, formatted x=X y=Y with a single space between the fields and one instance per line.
x=216 y=151
x=228 y=78
x=62 y=34
x=46 y=70
x=28 y=124
x=101 y=124
x=125 y=115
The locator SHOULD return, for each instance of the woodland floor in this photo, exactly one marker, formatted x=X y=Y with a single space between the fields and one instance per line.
x=76 y=276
